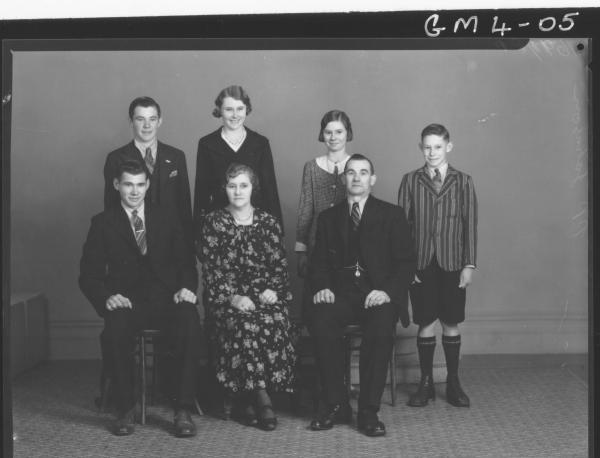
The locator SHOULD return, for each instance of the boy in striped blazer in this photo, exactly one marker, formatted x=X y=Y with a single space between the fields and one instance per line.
x=441 y=209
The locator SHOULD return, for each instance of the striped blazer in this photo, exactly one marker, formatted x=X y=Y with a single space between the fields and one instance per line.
x=443 y=224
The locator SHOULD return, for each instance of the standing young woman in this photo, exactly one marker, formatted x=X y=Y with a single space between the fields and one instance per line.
x=322 y=186
x=233 y=142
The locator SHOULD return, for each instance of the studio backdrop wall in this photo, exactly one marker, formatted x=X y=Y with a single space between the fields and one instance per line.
x=518 y=120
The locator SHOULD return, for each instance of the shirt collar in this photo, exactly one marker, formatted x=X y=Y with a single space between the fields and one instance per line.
x=443 y=171
x=153 y=147
x=361 y=204
x=140 y=211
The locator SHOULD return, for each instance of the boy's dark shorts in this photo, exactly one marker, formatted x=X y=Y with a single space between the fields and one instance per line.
x=437 y=296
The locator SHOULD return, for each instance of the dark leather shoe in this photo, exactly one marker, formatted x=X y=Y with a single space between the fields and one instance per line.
x=336 y=413
x=266 y=422
x=125 y=423
x=455 y=394
x=184 y=426
x=424 y=393
x=368 y=422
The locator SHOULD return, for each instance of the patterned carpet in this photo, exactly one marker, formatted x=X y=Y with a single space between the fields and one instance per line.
x=527 y=410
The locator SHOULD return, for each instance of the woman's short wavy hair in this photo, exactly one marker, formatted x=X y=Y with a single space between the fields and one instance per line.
x=236 y=169
x=336 y=115
x=235 y=92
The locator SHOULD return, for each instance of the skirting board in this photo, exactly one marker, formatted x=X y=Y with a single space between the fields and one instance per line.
x=480 y=335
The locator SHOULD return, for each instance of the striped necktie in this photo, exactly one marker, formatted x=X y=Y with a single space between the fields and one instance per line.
x=140 y=232
x=437 y=181
x=355 y=215
x=149 y=160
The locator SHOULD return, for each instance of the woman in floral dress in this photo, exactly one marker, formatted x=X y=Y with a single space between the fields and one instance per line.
x=247 y=289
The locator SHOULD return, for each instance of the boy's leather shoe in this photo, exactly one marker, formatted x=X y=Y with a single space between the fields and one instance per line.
x=424 y=393
x=455 y=394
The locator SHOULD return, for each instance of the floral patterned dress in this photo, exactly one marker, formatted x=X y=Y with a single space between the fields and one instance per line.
x=253 y=349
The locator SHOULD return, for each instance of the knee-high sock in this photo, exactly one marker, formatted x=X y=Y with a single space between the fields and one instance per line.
x=426 y=348
x=451 y=346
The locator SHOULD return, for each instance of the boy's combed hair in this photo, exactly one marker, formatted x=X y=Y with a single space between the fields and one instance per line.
x=436 y=129
x=145 y=102
x=131 y=167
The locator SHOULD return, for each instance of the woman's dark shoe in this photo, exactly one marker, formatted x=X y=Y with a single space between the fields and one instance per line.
x=425 y=392
x=266 y=418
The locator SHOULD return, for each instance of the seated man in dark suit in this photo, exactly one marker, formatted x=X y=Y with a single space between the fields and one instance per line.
x=138 y=272
x=362 y=265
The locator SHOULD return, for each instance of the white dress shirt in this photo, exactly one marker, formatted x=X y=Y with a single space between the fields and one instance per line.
x=142 y=147
x=442 y=168
x=361 y=205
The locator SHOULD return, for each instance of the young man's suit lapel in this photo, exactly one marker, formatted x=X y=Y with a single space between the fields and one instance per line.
x=122 y=225
x=425 y=180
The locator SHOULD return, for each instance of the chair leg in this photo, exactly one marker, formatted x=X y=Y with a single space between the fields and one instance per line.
x=153 y=383
x=142 y=345
x=102 y=403
x=393 y=374
x=198 y=408
x=348 y=365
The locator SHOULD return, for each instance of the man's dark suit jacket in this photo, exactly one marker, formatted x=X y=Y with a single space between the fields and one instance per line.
x=213 y=158
x=386 y=250
x=173 y=184
x=112 y=264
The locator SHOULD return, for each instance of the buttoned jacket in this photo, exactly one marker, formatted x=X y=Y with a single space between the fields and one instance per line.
x=442 y=224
